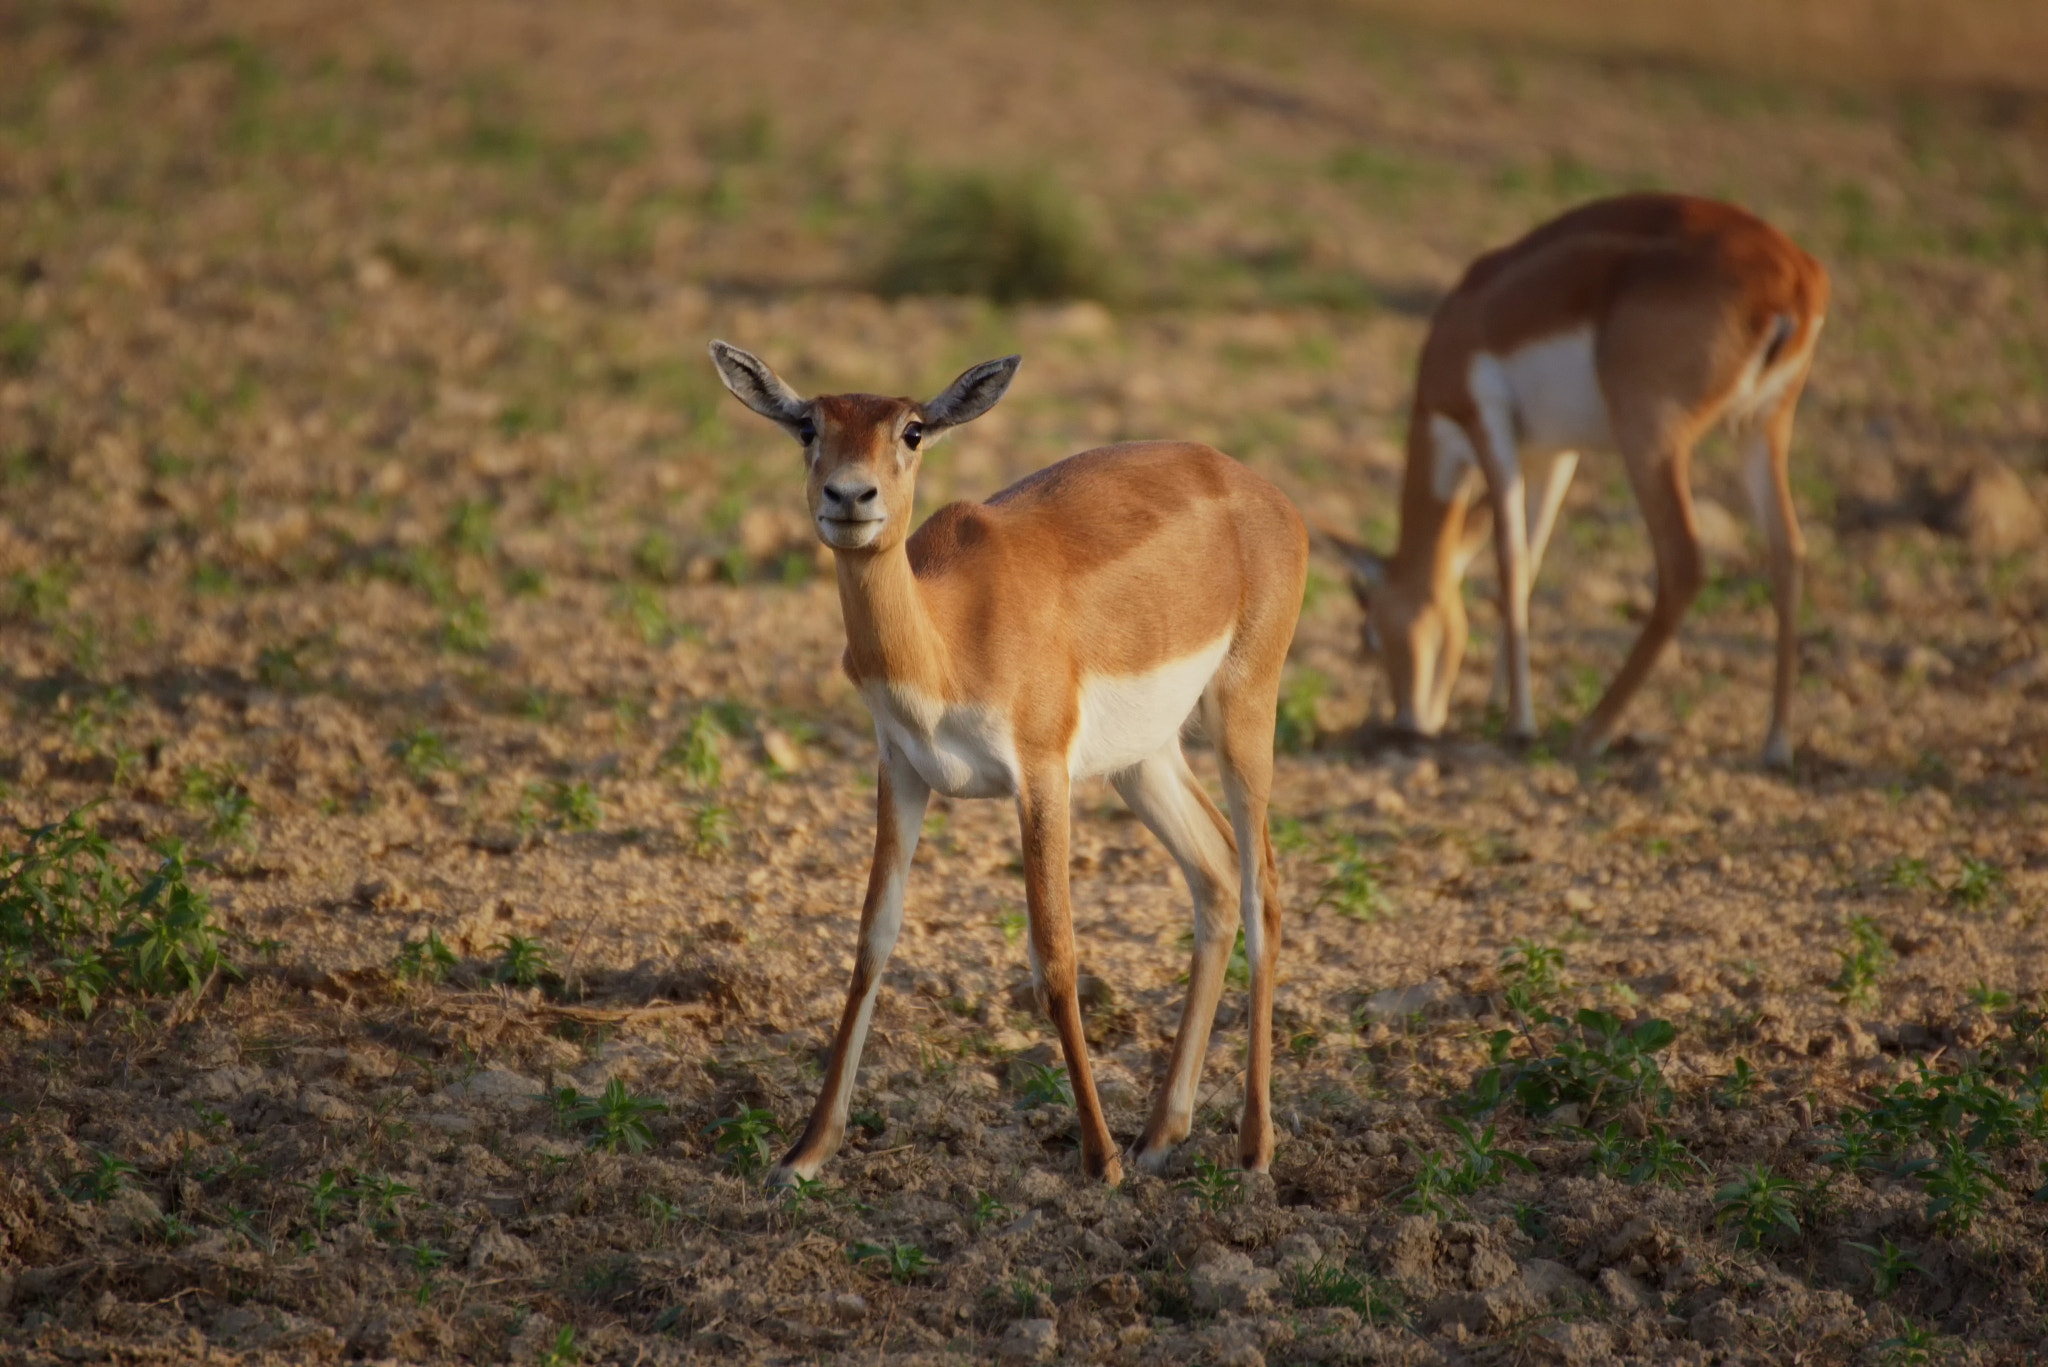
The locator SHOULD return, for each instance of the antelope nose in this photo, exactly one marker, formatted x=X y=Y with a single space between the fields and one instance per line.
x=852 y=498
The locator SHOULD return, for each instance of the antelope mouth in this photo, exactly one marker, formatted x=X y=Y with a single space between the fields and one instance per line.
x=849 y=533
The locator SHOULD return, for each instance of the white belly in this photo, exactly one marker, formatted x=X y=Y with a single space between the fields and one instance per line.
x=1127 y=718
x=960 y=750
x=1553 y=387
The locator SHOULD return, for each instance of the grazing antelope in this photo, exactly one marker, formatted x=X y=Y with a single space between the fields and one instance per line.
x=1635 y=324
x=1063 y=630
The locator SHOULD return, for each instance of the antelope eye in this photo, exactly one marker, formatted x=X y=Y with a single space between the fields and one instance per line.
x=913 y=434
x=807 y=431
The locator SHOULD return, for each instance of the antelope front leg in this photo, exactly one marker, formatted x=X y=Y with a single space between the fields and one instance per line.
x=1042 y=819
x=1508 y=491
x=900 y=800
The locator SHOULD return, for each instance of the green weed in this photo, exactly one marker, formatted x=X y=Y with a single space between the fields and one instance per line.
x=424 y=961
x=618 y=1118
x=746 y=1141
x=1294 y=724
x=1353 y=888
x=1761 y=1204
x=522 y=962
x=1976 y=884
x=903 y=1262
x=1005 y=239
x=1889 y=1265
x=1044 y=1085
x=1213 y=1185
x=104 y=1179
x=1327 y=1282
x=1865 y=960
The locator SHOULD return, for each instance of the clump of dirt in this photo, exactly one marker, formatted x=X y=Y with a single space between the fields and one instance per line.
x=372 y=525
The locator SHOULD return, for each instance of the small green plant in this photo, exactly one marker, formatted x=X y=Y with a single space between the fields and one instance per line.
x=574 y=806
x=221 y=796
x=987 y=1210
x=424 y=961
x=1760 y=1204
x=903 y=1262
x=1989 y=998
x=1482 y=1162
x=1534 y=974
x=1736 y=1088
x=1430 y=1193
x=1959 y=1185
x=323 y=1195
x=1976 y=884
x=746 y=1141
x=1864 y=962
x=106 y=1178
x=1005 y=239
x=1044 y=1084
x=1328 y=1282
x=711 y=831
x=466 y=629
x=168 y=936
x=1353 y=888
x=1012 y=923
x=1889 y=1265
x=1294 y=724
x=563 y=1352
x=1213 y=1185
x=1907 y=874
x=699 y=751
x=470 y=529
x=423 y=754
x=522 y=962
x=378 y=1199
x=618 y=1118
x=1597 y=1063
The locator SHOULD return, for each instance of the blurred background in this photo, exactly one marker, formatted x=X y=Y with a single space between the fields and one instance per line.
x=332 y=332
x=371 y=519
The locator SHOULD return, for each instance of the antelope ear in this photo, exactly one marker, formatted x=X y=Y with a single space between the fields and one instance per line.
x=758 y=387
x=972 y=395
x=1478 y=532
x=1368 y=567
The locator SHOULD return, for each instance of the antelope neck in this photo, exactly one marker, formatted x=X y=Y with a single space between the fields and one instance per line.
x=889 y=631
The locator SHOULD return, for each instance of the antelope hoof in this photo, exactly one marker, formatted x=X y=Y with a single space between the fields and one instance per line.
x=1110 y=1173
x=1778 y=752
x=1153 y=1160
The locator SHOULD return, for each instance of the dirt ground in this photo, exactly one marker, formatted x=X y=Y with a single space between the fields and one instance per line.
x=372 y=522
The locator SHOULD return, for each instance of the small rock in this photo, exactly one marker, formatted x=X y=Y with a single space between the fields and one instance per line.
x=493 y=1248
x=1991 y=511
x=331 y=1110
x=1578 y=1345
x=1412 y=1252
x=1396 y=1003
x=1625 y=1293
x=1490 y=1267
x=1297 y=1250
x=1719 y=1323
x=1554 y=1284
x=849 y=1307
x=1030 y=1341
x=1578 y=900
x=1722 y=534
x=1230 y=1281
x=491 y=1087
x=782 y=752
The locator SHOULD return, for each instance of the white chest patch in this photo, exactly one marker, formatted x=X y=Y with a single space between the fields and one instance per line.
x=1553 y=388
x=962 y=751
x=1131 y=717
x=1451 y=458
